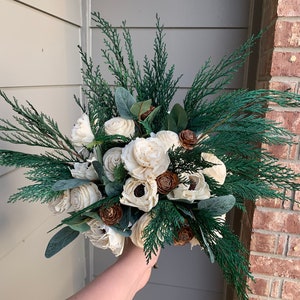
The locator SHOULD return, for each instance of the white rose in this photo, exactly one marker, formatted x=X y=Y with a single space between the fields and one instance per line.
x=84 y=196
x=169 y=139
x=140 y=193
x=60 y=204
x=111 y=159
x=104 y=237
x=84 y=171
x=121 y=126
x=145 y=158
x=197 y=190
x=217 y=171
x=82 y=134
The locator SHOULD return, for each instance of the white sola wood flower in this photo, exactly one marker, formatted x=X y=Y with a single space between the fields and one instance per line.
x=84 y=196
x=111 y=159
x=140 y=193
x=168 y=138
x=217 y=171
x=197 y=189
x=61 y=204
x=145 y=158
x=84 y=171
x=121 y=126
x=82 y=134
x=104 y=237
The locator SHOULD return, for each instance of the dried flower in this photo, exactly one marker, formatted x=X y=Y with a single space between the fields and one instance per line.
x=185 y=235
x=111 y=215
x=166 y=182
x=188 y=139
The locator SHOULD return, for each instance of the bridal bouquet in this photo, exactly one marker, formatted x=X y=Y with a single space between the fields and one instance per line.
x=136 y=167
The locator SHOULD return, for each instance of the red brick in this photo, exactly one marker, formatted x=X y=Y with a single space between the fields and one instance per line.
x=294 y=246
x=290 y=8
x=271 y=203
x=290 y=120
x=278 y=221
x=272 y=266
x=287 y=34
x=275 y=288
x=285 y=64
x=291 y=86
x=259 y=287
x=281 y=246
x=263 y=242
x=291 y=290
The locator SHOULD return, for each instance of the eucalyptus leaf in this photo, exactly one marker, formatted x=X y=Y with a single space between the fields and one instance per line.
x=78 y=223
x=217 y=206
x=138 y=108
x=153 y=114
x=66 y=184
x=209 y=251
x=98 y=168
x=124 y=101
x=179 y=116
x=113 y=189
x=60 y=240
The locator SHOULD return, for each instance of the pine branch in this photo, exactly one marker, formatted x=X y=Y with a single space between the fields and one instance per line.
x=101 y=104
x=113 y=52
x=211 y=79
x=34 y=129
x=229 y=253
x=166 y=220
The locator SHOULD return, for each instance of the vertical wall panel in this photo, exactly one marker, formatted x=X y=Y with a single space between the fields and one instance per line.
x=39 y=62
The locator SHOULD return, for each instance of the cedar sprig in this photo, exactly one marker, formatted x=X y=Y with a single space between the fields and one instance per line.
x=35 y=129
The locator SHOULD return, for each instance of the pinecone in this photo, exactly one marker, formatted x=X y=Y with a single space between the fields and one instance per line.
x=166 y=182
x=188 y=139
x=111 y=215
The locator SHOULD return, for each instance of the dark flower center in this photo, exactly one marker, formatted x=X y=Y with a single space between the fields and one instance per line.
x=139 y=191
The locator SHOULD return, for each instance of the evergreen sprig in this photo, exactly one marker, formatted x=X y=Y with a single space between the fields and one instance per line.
x=35 y=129
x=43 y=170
x=100 y=104
x=211 y=79
x=162 y=228
x=218 y=241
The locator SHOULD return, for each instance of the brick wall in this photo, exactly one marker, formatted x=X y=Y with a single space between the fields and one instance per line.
x=275 y=237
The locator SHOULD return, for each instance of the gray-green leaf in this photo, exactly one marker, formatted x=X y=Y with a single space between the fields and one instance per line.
x=217 y=205
x=60 y=240
x=63 y=185
x=124 y=101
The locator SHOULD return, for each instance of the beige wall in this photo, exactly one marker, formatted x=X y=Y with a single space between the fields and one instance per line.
x=39 y=62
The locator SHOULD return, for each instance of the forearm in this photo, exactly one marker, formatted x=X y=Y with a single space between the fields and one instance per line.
x=122 y=280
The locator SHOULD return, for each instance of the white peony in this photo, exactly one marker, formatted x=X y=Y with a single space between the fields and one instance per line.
x=121 y=126
x=111 y=159
x=84 y=171
x=168 y=138
x=140 y=193
x=197 y=190
x=82 y=134
x=84 y=196
x=104 y=237
x=61 y=204
x=145 y=158
x=217 y=171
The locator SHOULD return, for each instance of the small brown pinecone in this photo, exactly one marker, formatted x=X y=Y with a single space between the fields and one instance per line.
x=147 y=113
x=166 y=182
x=185 y=235
x=111 y=215
x=188 y=139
